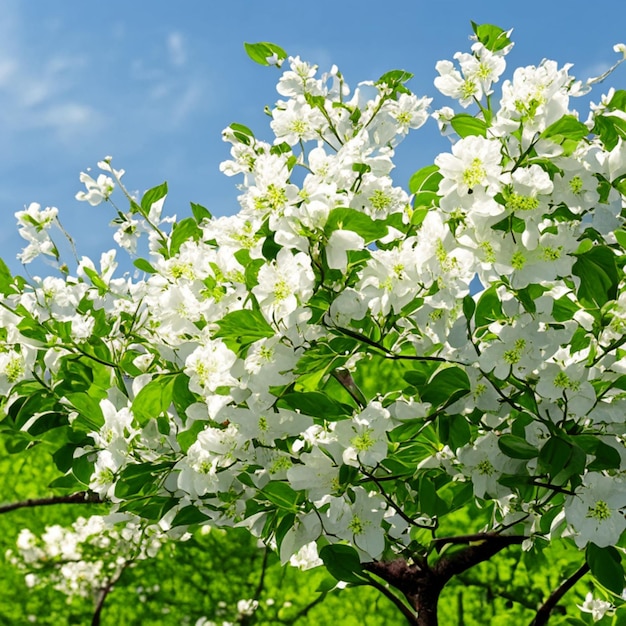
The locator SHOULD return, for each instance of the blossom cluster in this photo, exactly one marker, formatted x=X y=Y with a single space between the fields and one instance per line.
x=87 y=557
x=345 y=361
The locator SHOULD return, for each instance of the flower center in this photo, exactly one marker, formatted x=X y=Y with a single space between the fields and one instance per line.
x=475 y=173
x=600 y=511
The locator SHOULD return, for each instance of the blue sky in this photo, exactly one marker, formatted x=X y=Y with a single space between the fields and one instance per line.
x=154 y=83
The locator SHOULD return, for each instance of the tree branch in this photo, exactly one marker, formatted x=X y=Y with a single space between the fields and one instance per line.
x=489 y=545
x=543 y=614
x=502 y=593
x=81 y=497
x=467 y=538
x=102 y=596
x=260 y=585
x=345 y=379
x=402 y=607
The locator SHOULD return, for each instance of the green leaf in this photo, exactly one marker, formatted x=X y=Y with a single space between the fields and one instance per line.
x=426 y=179
x=343 y=563
x=567 y=132
x=447 y=386
x=567 y=127
x=618 y=101
x=459 y=432
x=563 y=309
x=342 y=218
x=187 y=438
x=394 y=81
x=200 y=213
x=599 y=277
x=316 y=404
x=488 y=308
x=139 y=479
x=241 y=328
x=516 y=447
x=182 y=397
x=394 y=77
x=328 y=583
x=96 y=279
x=469 y=306
x=6 y=280
x=90 y=415
x=264 y=50
x=69 y=482
x=144 y=266
x=82 y=468
x=154 y=398
x=606 y=457
x=151 y=196
x=492 y=37
x=609 y=130
x=189 y=515
x=152 y=508
x=281 y=494
x=242 y=133
x=606 y=567
x=185 y=230
x=561 y=460
x=465 y=125
x=421 y=373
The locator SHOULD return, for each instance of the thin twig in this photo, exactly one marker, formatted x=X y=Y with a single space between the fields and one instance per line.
x=259 y=588
x=543 y=614
x=344 y=378
x=391 y=503
x=81 y=497
x=102 y=596
x=468 y=538
x=403 y=608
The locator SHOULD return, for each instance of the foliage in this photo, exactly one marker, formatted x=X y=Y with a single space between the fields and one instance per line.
x=398 y=386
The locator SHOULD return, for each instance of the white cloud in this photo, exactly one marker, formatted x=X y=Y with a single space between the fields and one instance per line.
x=591 y=71
x=176 y=49
x=38 y=91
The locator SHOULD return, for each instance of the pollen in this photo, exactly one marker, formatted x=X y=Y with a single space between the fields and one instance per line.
x=601 y=511
x=517 y=202
x=468 y=89
x=485 y=468
x=576 y=185
x=490 y=255
x=364 y=441
x=281 y=290
x=404 y=118
x=299 y=127
x=563 y=381
x=14 y=370
x=379 y=200
x=475 y=174
x=357 y=525
x=518 y=260
x=552 y=254
x=514 y=355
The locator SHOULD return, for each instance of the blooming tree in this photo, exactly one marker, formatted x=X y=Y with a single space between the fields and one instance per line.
x=346 y=367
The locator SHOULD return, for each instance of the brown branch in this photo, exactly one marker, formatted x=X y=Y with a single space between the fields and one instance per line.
x=390 y=502
x=467 y=538
x=502 y=593
x=543 y=614
x=489 y=545
x=344 y=378
x=102 y=596
x=261 y=584
x=422 y=584
x=402 y=607
x=81 y=497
